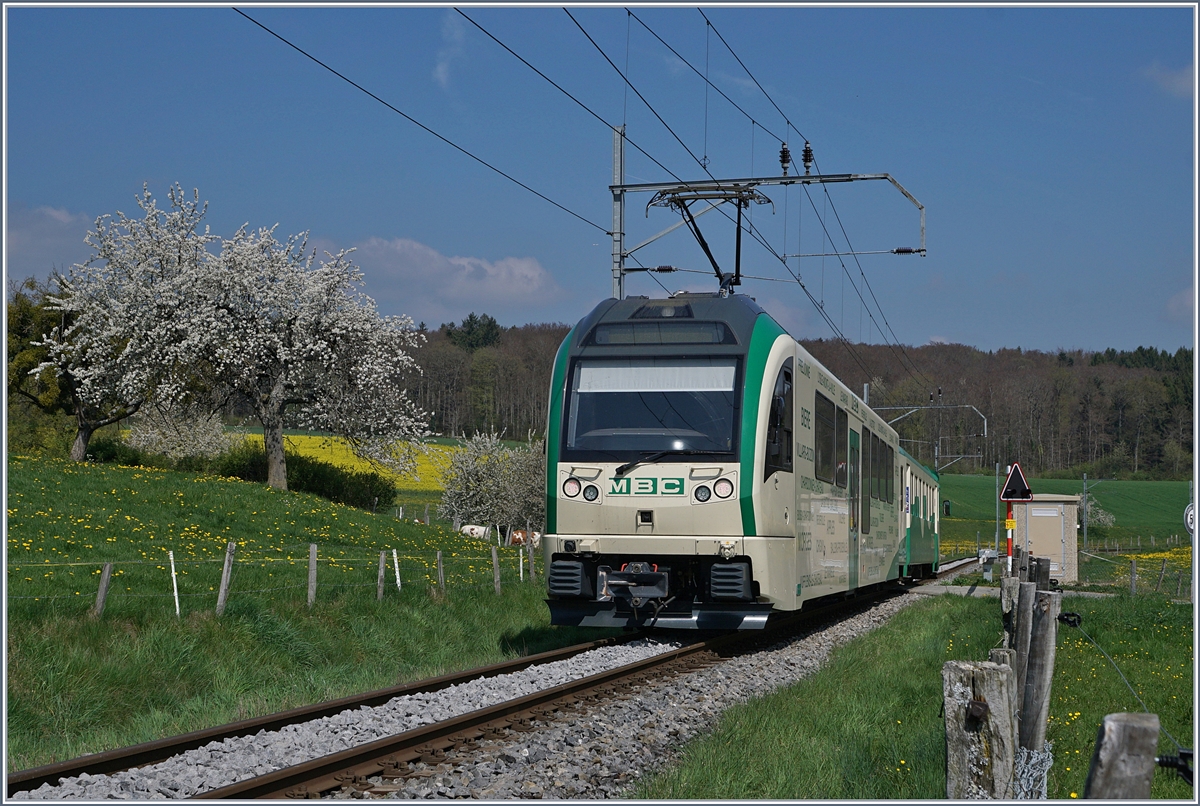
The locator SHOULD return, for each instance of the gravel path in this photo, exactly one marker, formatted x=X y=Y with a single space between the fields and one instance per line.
x=602 y=755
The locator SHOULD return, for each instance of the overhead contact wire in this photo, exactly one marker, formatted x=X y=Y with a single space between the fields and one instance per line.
x=417 y=123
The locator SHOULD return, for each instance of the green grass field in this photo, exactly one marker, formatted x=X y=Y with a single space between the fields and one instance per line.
x=868 y=726
x=79 y=685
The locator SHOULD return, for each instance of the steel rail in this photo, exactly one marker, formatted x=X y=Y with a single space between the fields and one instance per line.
x=388 y=756
x=139 y=755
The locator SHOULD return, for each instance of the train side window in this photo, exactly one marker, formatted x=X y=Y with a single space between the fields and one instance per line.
x=876 y=467
x=892 y=453
x=868 y=464
x=880 y=470
x=823 y=438
x=867 y=471
x=841 y=444
x=779 y=426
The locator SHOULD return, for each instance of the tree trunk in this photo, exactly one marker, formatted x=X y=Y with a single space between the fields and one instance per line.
x=82 y=437
x=273 y=442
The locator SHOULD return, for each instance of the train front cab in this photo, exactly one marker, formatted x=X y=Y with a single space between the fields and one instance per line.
x=668 y=502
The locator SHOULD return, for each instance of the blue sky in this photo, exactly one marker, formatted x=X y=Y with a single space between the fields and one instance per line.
x=1054 y=150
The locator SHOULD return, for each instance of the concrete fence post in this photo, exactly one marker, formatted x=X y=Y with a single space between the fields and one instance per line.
x=1123 y=761
x=496 y=570
x=981 y=729
x=226 y=572
x=312 y=573
x=102 y=594
x=382 y=575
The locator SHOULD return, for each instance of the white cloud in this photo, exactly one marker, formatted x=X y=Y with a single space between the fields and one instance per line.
x=408 y=277
x=1180 y=83
x=1182 y=306
x=43 y=239
x=453 y=34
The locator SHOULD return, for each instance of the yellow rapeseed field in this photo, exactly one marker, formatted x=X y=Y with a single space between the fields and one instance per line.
x=432 y=460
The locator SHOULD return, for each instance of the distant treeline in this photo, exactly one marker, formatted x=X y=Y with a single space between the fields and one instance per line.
x=1111 y=413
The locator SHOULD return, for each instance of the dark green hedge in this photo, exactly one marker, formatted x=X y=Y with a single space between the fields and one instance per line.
x=366 y=490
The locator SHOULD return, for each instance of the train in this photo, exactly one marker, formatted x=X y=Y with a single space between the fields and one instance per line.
x=704 y=472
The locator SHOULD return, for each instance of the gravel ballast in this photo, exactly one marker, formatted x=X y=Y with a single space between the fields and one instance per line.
x=219 y=764
x=599 y=754
x=602 y=754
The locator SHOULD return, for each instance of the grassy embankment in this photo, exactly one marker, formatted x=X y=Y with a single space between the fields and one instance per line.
x=868 y=725
x=79 y=685
x=1142 y=509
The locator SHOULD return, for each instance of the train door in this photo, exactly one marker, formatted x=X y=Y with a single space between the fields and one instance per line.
x=779 y=480
x=852 y=560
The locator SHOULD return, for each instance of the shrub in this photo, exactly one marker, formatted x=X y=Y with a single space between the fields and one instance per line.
x=247 y=461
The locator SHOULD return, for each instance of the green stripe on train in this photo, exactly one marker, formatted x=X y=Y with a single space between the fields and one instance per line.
x=554 y=432
x=766 y=331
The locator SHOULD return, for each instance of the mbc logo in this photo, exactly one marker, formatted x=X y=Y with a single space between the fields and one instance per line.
x=645 y=486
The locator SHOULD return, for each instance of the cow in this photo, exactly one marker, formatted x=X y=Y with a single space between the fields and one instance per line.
x=522 y=538
x=481 y=532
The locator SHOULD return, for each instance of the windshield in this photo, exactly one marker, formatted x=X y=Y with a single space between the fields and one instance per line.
x=623 y=406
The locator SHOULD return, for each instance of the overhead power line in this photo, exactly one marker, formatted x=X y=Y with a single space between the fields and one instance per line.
x=911 y=364
x=418 y=123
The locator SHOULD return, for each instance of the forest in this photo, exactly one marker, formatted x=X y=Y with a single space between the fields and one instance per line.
x=1110 y=414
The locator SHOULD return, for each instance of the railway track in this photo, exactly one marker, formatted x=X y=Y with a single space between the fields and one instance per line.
x=384 y=766
x=152 y=752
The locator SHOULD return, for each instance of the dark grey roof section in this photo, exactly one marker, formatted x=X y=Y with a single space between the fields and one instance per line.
x=736 y=311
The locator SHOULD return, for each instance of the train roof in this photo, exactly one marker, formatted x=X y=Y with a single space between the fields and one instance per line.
x=736 y=311
x=928 y=470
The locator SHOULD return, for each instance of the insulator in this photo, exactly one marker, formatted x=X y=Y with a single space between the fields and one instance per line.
x=785 y=158
x=808 y=157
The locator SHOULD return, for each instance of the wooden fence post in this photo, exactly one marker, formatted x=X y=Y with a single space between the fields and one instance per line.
x=1161 y=574
x=1123 y=761
x=457 y=524
x=1179 y=586
x=496 y=570
x=382 y=574
x=226 y=571
x=1024 y=618
x=441 y=574
x=1040 y=573
x=532 y=567
x=1133 y=576
x=981 y=729
x=1009 y=590
x=427 y=514
x=312 y=573
x=105 y=576
x=1039 y=673
x=174 y=581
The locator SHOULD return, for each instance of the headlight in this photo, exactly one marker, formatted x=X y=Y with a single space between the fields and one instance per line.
x=591 y=493
x=723 y=488
x=702 y=493
x=571 y=488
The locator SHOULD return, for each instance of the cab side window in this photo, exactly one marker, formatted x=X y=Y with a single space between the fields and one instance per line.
x=779 y=424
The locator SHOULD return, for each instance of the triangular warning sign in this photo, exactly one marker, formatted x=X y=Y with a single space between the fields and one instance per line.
x=1015 y=487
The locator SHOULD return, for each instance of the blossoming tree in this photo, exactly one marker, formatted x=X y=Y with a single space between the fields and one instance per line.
x=301 y=342
x=122 y=337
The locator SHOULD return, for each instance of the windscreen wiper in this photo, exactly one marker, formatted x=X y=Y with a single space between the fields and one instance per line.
x=625 y=468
